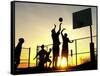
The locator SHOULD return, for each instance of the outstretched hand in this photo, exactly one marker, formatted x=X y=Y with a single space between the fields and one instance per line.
x=33 y=58
x=60 y=24
x=63 y=29
x=54 y=26
x=72 y=40
x=50 y=49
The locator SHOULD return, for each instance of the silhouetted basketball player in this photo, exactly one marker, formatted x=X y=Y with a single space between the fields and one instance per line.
x=47 y=59
x=56 y=43
x=65 y=45
x=42 y=54
x=17 y=52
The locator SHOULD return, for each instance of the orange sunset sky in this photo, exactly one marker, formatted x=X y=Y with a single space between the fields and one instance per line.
x=34 y=22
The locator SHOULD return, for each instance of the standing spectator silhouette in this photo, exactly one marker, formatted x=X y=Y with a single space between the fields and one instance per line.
x=65 y=45
x=42 y=54
x=56 y=43
x=17 y=52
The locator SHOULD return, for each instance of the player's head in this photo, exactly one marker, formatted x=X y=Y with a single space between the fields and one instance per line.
x=65 y=34
x=21 y=40
x=42 y=46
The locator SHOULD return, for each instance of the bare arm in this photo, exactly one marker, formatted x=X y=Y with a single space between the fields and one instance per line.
x=70 y=41
x=54 y=27
x=36 y=56
x=49 y=50
x=62 y=32
x=59 y=28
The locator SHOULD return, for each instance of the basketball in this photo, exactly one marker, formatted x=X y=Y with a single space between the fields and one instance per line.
x=60 y=19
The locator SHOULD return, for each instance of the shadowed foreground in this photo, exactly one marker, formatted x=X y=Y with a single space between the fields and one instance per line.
x=31 y=70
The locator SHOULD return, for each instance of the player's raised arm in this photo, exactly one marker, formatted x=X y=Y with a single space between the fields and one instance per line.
x=54 y=26
x=62 y=32
x=59 y=28
x=53 y=30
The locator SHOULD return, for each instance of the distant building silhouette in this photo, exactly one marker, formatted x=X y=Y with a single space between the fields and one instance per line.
x=17 y=52
x=56 y=43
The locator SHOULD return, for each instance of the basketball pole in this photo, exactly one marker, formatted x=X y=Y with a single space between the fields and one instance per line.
x=92 y=56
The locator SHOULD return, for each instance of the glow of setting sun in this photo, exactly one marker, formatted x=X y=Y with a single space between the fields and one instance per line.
x=58 y=63
x=62 y=62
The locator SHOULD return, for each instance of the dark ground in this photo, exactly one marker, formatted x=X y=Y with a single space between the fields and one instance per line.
x=33 y=70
